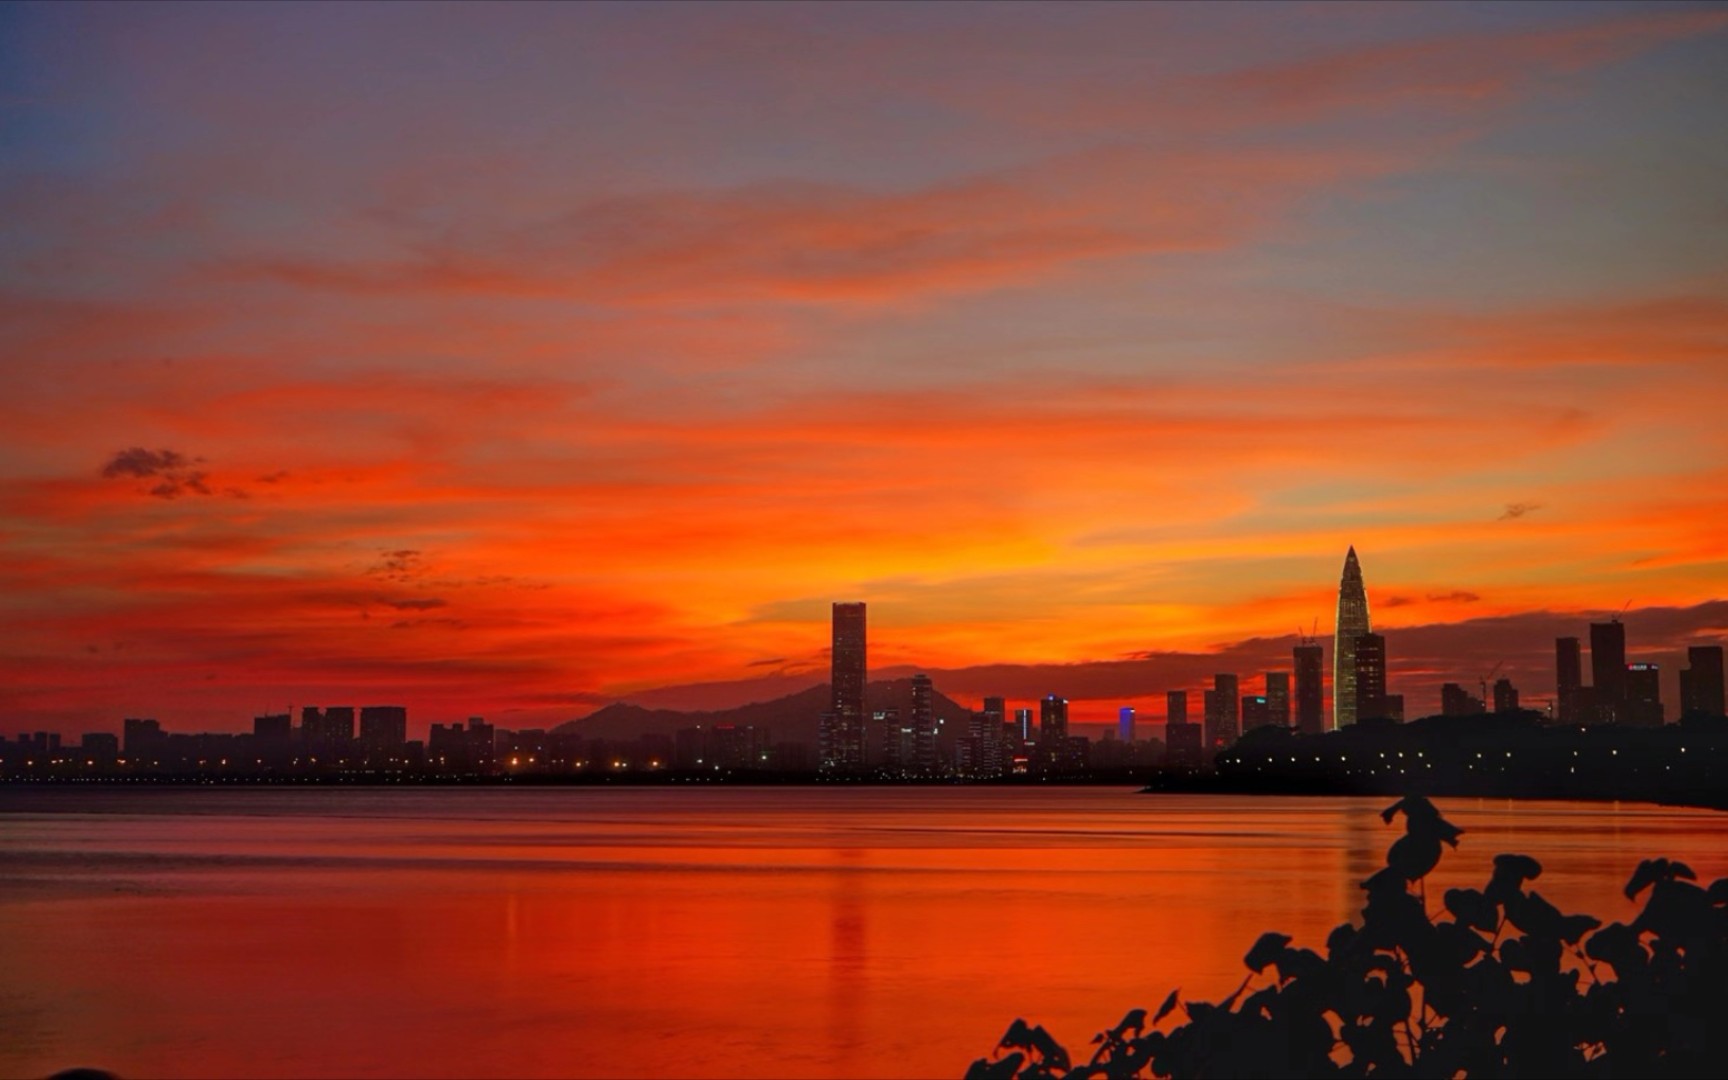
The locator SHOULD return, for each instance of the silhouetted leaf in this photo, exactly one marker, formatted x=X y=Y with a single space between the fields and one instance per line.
x=1532 y=914
x=1230 y=1002
x=1470 y=908
x=1521 y=867
x=1266 y=951
x=1134 y=1020
x=1004 y=1068
x=1500 y=1008
x=1617 y=944
x=1340 y=939
x=1169 y=1004
x=1574 y=927
x=1413 y=855
x=1650 y=871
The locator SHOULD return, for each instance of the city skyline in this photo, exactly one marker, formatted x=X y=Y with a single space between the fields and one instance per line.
x=1074 y=339
x=850 y=738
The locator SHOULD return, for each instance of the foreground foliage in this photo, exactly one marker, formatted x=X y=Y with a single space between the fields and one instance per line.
x=1497 y=982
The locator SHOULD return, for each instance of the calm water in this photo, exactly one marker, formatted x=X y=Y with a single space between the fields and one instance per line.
x=705 y=932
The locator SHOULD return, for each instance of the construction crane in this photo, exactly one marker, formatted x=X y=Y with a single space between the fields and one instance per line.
x=1485 y=679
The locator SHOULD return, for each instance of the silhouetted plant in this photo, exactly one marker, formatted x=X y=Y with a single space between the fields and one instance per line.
x=1496 y=983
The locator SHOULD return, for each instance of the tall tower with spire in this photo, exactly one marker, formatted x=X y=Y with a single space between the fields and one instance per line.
x=1352 y=624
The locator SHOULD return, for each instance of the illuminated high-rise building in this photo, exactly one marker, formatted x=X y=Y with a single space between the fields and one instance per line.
x=1352 y=624
x=1052 y=719
x=1278 y=698
x=1223 y=721
x=924 y=757
x=1125 y=723
x=1371 y=677
x=1256 y=713
x=1051 y=751
x=383 y=733
x=843 y=724
x=1310 y=689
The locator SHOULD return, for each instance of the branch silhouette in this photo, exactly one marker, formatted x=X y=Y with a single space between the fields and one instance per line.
x=1498 y=983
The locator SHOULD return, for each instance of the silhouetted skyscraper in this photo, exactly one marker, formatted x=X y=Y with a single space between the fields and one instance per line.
x=1052 y=719
x=924 y=725
x=1310 y=689
x=1568 y=680
x=143 y=738
x=843 y=725
x=996 y=712
x=1255 y=712
x=1050 y=754
x=1278 y=698
x=1701 y=682
x=273 y=738
x=899 y=747
x=1608 y=668
x=1352 y=624
x=327 y=734
x=1370 y=677
x=1223 y=725
x=1457 y=701
x=383 y=733
x=1643 y=704
x=1505 y=696
x=1175 y=707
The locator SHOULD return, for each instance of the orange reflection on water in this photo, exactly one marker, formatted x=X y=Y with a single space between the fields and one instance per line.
x=772 y=932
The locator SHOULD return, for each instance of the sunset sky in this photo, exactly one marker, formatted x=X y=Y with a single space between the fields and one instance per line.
x=511 y=360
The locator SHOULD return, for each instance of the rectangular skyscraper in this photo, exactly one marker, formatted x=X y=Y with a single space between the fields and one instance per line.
x=1052 y=719
x=1310 y=689
x=1505 y=696
x=1183 y=741
x=1701 y=690
x=383 y=732
x=1568 y=680
x=924 y=755
x=1051 y=751
x=1278 y=698
x=1125 y=723
x=1608 y=668
x=1223 y=723
x=1370 y=677
x=1643 y=704
x=1255 y=712
x=1175 y=707
x=843 y=726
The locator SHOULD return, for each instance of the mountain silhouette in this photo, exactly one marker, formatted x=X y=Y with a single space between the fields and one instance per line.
x=793 y=718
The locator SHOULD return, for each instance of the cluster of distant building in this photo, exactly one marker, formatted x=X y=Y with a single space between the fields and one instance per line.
x=889 y=743
x=857 y=741
x=372 y=742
